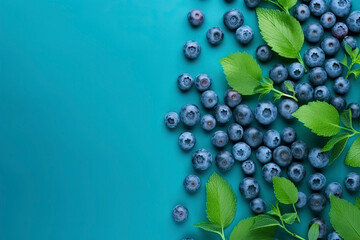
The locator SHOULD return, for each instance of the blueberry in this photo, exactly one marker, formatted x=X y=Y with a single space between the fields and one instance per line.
x=208 y=122
x=302 y=200
x=299 y=150
x=192 y=50
x=353 y=21
x=288 y=135
x=341 y=85
x=264 y=53
x=322 y=93
x=233 y=19
x=317 y=181
x=248 y=167
x=328 y=20
x=287 y=107
x=265 y=113
x=333 y=68
x=317 y=76
x=172 y=120
x=355 y=110
x=180 y=213
x=330 y=45
x=241 y=151
x=187 y=141
x=209 y=99
x=202 y=82
x=252 y=3
x=192 y=183
x=222 y=113
x=323 y=228
x=243 y=115
x=258 y=206
x=249 y=188
x=219 y=139
x=335 y=189
x=317 y=7
x=317 y=202
x=235 y=132
x=224 y=161
x=215 y=35
x=296 y=71
x=196 y=17
x=185 y=81
x=302 y=12
x=270 y=170
x=263 y=154
x=339 y=103
x=340 y=30
x=352 y=182
x=278 y=73
x=314 y=57
x=190 y=115
x=253 y=137
x=314 y=32
x=282 y=156
x=304 y=92
x=349 y=40
x=232 y=98
x=285 y=89
x=296 y=172
x=202 y=160
x=244 y=34
x=318 y=159
x=340 y=8
x=334 y=236
x=272 y=138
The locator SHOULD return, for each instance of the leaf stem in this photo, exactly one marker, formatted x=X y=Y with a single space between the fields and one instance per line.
x=299 y=58
x=284 y=94
x=222 y=234
x=297 y=215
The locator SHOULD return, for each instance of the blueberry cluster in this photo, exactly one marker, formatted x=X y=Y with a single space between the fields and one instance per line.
x=275 y=151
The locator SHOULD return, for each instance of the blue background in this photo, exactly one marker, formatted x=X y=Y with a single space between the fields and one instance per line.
x=84 y=87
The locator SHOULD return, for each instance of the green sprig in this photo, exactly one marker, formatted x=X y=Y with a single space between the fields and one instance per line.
x=284 y=5
x=355 y=59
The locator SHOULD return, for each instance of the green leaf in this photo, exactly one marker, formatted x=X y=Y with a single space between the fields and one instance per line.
x=313 y=233
x=357 y=202
x=338 y=149
x=346 y=118
x=244 y=230
x=334 y=140
x=221 y=201
x=209 y=227
x=289 y=218
x=287 y=4
x=242 y=72
x=356 y=73
x=352 y=158
x=263 y=221
x=275 y=210
x=282 y=32
x=285 y=190
x=321 y=117
x=344 y=62
x=349 y=50
x=345 y=218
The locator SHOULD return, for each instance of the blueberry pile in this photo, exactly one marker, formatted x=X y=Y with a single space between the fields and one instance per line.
x=276 y=151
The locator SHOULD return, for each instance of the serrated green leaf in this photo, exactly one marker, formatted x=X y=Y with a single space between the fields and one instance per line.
x=357 y=202
x=263 y=221
x=243 y=230
x=209 y=227
x=334 y=140
x=289 y=218
x=344 y=61
x=348 y=50
x=321 y=117
x=221 y=201
x=287 y=4
x=346 y=118
x=356 y=73
x=352 y=158
x=289 y=86
x=355 y=53
x=313 y=232
x=282 y=32
x=338 y=149
x=242 y=72
x=275 y=210
x=345 y=218
x=285 y=190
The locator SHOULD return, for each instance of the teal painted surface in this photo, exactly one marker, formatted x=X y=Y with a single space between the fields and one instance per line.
x=84 y=86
